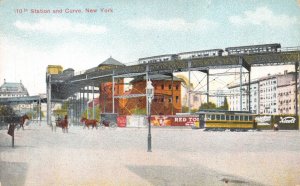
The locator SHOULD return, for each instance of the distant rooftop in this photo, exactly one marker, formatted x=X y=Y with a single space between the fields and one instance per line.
x=111 y=61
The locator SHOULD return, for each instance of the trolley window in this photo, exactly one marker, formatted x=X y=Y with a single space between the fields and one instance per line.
x=231 y=117
x=250 y=118
x=236 y=118
x=208 y=117
x=218 y=117
x=246 y=118
x=227 y=117
x=222 y=117
x=213 y=117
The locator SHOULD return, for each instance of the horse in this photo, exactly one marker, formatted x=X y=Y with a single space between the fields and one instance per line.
x=89 y=122
x=24 y=120
x=63 y=124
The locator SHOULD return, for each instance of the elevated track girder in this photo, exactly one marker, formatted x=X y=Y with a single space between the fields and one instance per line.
x=63 y=86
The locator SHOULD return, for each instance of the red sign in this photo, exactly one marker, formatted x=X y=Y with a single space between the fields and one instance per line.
x=161 y=120
x=121 y=120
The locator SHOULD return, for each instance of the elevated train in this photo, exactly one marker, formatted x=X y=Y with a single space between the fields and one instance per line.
x=252 y=49
x=156 y=59
x=240 y=50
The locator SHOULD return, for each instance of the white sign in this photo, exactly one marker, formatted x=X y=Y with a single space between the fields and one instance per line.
x=287 y=120
x=263 y=120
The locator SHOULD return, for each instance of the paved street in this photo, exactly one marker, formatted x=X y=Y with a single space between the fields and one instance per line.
x=119 y=157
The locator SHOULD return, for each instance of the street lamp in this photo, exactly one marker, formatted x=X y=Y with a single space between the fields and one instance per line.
x=150 y=95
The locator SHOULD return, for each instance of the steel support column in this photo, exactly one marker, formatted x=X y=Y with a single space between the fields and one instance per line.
x=297 y=93
x=172 y=94
x=113 y=93
x=189 y=87
x=296 y=87
x=49 y=100
x=249 y=90
x=40 y=110
x=80 y=105
x=207 y=86
x=87 y=102
x=241 y=82
x=83 y=104
x=147 y=77
x=93 y=92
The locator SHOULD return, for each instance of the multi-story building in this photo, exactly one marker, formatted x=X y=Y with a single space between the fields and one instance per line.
x=286 y=100
x=234 y=97
x=220 y=98
x=268 y=95
x=195 y=100
x=273 y=94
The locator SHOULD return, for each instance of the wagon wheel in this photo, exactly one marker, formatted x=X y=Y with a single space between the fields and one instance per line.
x=112 y=125
x=101 y=125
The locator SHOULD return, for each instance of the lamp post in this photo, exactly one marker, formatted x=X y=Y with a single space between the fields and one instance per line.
x=150 y=95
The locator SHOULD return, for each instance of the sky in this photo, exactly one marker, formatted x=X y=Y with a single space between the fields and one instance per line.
x=66 y=34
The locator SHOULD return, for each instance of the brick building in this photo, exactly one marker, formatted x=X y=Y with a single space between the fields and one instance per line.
x=167 y=95
x=105 y=98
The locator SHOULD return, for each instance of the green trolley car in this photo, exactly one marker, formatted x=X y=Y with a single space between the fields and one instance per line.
x=223 y=120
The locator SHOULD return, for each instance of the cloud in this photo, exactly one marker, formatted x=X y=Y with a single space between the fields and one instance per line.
x=30 y=63
x=175 y=24
x=263 y=16
x=59 y=26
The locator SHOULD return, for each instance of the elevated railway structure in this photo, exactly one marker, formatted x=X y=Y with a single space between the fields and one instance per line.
x=64 y=86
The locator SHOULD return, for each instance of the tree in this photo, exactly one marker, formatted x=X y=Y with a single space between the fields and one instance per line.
x=208 y=105
x=139 y=111
x=6 y=110
x=185 y=109
x=225 y=106
x=64 y=109
x=97 y=113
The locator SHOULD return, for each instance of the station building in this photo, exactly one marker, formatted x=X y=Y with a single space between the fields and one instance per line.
x=13 y=89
